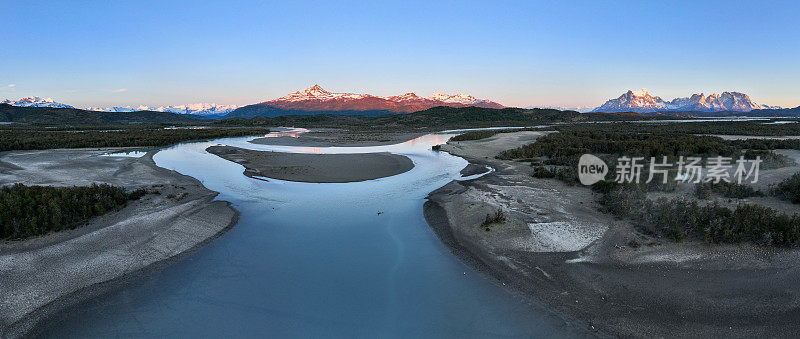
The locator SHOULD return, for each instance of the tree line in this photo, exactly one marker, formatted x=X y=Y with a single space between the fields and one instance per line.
x=564 y=148
x=556 y=156
x=27 y=211
x=42 y=138
x=746 y=127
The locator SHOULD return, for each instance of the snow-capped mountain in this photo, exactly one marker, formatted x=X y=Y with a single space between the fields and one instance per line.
x=464 y=99
x=195 y=109
x=315 y=98
x=36 y=102
x=642 y=102
x=204 y=109
x=199 y=109
x=123 y=109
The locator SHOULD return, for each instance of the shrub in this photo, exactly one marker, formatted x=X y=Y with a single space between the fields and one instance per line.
x=788 y=189
x=728 y=189
x=542 y=172
x=499 y=217
x=702 y=191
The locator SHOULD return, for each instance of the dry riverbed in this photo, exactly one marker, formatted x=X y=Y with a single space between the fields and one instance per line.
x=315 y=167
x=557 y=249
x=44 y=275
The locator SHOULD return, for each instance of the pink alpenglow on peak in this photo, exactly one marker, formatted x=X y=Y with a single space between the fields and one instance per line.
x=315 y=98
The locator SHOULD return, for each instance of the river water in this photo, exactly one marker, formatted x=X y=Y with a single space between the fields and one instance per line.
x=315 y=260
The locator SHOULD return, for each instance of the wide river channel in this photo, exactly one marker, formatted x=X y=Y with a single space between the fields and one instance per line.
x=315 y=260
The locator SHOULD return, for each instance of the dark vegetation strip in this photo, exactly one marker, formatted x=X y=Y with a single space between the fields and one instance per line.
x=475 y=135
x=27 y=211
x=116 y=136
x=556 y=155
x=564 y=148
x=436 y=119
x=750 y=127
x=681 y=219
x=725 y=189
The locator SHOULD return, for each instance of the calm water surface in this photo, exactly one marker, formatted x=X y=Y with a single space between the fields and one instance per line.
x=315 y=260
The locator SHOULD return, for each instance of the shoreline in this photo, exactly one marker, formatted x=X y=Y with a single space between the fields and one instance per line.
x=602 y=285
x=29 y=326
x=436 y=218
x=112 y=249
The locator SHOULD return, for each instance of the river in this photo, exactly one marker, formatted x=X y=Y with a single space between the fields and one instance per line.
x=315 y=260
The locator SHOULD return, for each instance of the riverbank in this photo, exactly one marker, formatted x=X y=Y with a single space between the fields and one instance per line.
x=44 y=275
x=558 y=250
x=317 y=168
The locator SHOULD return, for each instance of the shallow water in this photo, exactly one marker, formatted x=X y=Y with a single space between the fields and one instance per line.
x=315 y=260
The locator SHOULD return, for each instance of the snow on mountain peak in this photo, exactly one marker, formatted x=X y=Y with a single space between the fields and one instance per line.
x=405 y=97
x=642 y=102
x=36 y=102
x=198 y=109
x=316 y=89
x=315 y=98
x=317 y=93
x=195 y=109
x=462 y=98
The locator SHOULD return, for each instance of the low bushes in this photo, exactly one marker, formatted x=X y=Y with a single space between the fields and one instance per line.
x=788 y=189
x=725 y=189
x=681 y=219
x=499 y=217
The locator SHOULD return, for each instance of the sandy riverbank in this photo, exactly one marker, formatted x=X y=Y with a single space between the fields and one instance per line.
x=320 y=168
x=557 y=250
x=340 y=138
x=44 y=275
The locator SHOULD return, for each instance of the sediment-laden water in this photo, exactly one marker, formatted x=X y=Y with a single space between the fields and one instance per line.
x=315 y=260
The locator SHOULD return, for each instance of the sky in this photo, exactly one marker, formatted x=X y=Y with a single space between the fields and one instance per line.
x=518 y=53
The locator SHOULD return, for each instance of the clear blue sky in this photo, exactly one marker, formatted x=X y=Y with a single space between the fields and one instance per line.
x=517 y=53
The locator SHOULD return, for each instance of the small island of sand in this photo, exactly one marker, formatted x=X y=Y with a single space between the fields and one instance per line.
x=318 y=168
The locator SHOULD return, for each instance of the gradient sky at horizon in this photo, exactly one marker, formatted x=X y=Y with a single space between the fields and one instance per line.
x=118 y=53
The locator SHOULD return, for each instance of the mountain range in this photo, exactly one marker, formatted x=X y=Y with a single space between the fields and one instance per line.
x=202 y=109
x=312 y=100
x=315 y=100
x=643 y=102
x=35 y=102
